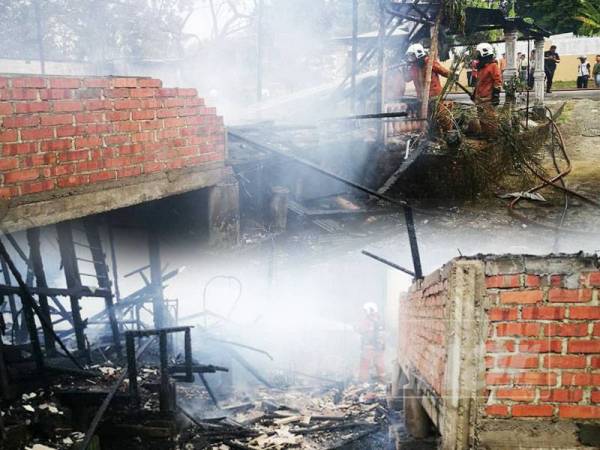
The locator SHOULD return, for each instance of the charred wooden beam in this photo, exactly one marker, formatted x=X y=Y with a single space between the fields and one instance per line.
x=99 y=258
x=69 y=261
x=35 y=256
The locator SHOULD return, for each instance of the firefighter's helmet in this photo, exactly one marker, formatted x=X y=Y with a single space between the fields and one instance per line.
x=418 y=50
x=370 y=308
x=485 y=49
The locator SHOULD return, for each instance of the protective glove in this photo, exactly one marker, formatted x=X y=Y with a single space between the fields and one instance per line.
x=496 y=96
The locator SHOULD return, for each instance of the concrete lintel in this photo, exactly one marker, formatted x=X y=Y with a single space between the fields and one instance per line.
x=106 y=197
x=536 y=434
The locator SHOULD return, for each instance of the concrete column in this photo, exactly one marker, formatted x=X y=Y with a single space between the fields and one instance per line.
x=510 y=38
x=224 y=213
x=539 y=77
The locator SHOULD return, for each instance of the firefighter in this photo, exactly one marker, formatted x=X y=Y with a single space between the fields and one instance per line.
x=417 y=73
x=487 y=90
x=373 y=344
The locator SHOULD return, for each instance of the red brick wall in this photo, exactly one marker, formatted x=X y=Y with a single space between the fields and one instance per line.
x=58 y=132
x=543 y=348
x=422 y=330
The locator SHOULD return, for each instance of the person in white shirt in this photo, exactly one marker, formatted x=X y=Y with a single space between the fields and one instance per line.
x=583 y=73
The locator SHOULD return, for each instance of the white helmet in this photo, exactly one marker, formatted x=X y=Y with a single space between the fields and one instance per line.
x=485 y=49
x=370 y=308
x=416 y=49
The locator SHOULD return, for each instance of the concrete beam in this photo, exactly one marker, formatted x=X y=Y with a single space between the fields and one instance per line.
x=48 y=209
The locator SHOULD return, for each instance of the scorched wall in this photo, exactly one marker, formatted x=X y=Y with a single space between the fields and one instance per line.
x=109 y=142
x=504 y=352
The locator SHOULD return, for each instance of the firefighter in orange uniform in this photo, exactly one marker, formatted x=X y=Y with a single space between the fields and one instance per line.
x=373 y=344
x=417 y=73
x=487 y=90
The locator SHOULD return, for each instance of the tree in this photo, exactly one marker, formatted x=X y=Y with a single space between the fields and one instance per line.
x=557 y=16
x=590 y=17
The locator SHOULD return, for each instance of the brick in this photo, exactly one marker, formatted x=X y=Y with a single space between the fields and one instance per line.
x=143 y=115
x=521 y=297
x=149 y=83
x=29 y=82
x=120 y=93
x=579 y=412
x=36 y=187
x=592 y=279
x=584 y=312
x=556 y=295
x=503 y=281
x=142 y=137
x=6 y=108
x=129 y=172
x=88 y=142
x=167 y=92
x=88 y=166
x=595 y=362
x=564 y=362
x=103 y=176
x=75 y=155
x=517 y=395
x=518 y=362
x=56 y=145
x=497 y=410
x=561 y=395
x=3 y=82
x=518 y=329
x=580 y=379
x=566 y=329
x=64 y=169
x=587 y=346
x=96 y=82
x=23 y=94
x=72 y=181
x=164 y=113
x=536 y=378
x=126 y=104
x=174 y=122
x=9 y=192
x=492 y=379
x=56 y=94
x=168 y=134
x=500 y=346
x=543 y=313
x=36 y=134
x=556 y=280
x=533 y=281
x=187 y=92
x=128 y=82
x=89 y=117
x=532 y=410
x=68 y=106
x=127 y=127
x=117 y=139
x=8 y=136
x=21 y=121
x=32 y=107
x=540 y=346
x=97 y=105
x=57 y=119
x=19 y=149
x=65 y=83
x=143 y=92
x=8 y=164
x=115 y=116
x=19 y=176
x=174 y=102
x=596 y=331
x=595 y=397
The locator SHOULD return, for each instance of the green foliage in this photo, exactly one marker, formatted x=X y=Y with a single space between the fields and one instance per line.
x=590 y=17
x=557 y=16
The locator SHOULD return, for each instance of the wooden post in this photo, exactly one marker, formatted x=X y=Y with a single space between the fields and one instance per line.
x=132 y=369
x=69 y=261
x=101 y=268
x=164 y=372
x=35 y=257
x=12 y=303
x=433 y=53
x=189 y=374
x=158 y=301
